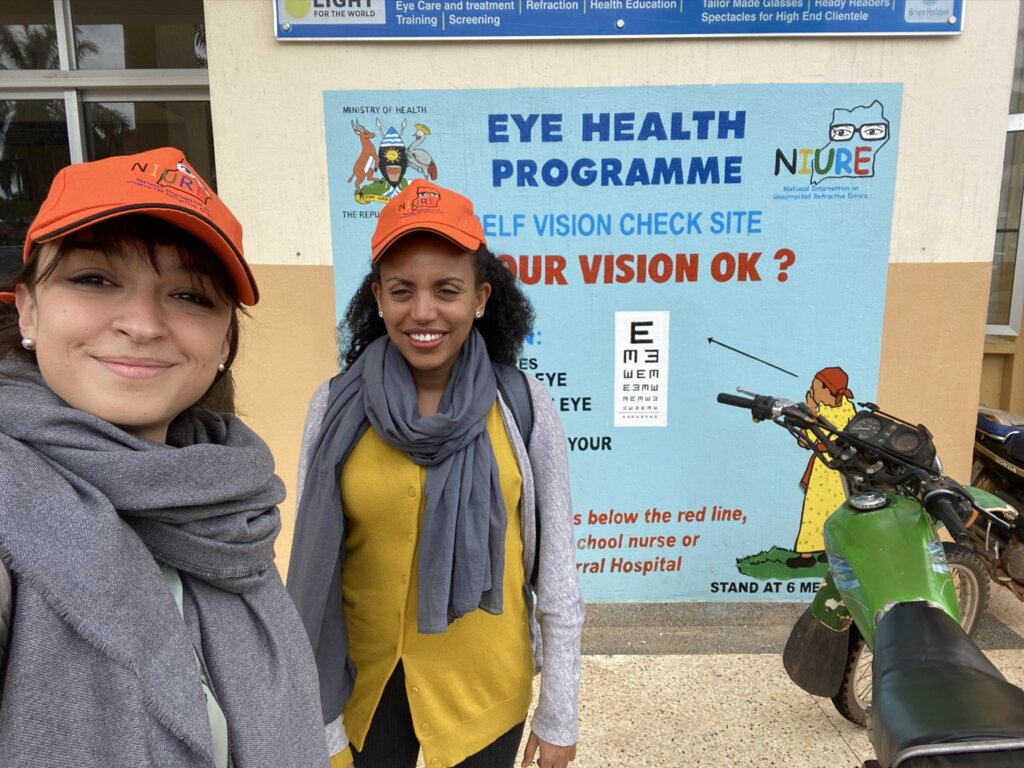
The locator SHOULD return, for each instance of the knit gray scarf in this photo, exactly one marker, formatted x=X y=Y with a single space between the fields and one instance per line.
x=86 y=509
x=462 y=536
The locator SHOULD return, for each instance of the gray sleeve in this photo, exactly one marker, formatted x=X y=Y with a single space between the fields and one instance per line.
x=314 y=418
x=560 y=606
x=337 y=738
x=5 y=608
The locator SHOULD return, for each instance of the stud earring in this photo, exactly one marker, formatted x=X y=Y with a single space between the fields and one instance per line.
x=479 y=314
x=28 y=344
x=221 y=367
x=380 y=313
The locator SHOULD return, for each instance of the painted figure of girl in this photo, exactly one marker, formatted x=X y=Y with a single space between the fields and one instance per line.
x=823 y=487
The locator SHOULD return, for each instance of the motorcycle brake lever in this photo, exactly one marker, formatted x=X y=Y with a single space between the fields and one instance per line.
x=992 y=516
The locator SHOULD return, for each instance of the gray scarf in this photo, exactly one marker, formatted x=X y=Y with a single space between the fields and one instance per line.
x=462 y=538
x=86 y=509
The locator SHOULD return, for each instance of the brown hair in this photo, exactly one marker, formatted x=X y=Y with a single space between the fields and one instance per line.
x=132 y=235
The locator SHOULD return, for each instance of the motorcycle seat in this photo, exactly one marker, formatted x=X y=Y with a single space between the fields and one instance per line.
x=998 y=423
x=1015 y=447
x=934 y=692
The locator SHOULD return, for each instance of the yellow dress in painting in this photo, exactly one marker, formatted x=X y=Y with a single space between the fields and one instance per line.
x=824 y=490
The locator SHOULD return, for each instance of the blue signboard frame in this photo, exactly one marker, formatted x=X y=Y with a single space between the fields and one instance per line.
x=532 y=19
x=675 y=242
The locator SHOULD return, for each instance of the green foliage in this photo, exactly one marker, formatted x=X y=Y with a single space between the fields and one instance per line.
x=771 y=565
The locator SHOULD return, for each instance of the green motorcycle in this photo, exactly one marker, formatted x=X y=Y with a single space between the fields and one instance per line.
x=891 y=604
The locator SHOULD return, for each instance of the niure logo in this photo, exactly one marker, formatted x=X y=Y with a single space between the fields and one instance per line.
x=855 y=136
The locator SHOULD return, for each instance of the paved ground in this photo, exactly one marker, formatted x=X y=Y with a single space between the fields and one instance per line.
x=703 y=685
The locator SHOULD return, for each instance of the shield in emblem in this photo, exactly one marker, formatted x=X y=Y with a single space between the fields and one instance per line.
x=393 y=160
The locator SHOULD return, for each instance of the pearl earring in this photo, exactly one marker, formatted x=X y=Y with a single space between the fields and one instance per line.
x=221 y=367
x=380 y=313
x=479 y=314
x=28 y=344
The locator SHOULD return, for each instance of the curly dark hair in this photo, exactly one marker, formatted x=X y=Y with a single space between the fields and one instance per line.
x=504 y=326
x=133 y=233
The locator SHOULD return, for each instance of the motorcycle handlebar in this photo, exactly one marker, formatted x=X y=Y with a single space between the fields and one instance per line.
x=943 y=504
x=761 y=407
x=740 y=402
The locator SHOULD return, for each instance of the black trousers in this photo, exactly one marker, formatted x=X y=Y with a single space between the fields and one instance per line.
x=391 y=741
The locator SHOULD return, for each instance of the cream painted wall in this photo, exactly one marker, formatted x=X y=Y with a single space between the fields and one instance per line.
x=269 y=137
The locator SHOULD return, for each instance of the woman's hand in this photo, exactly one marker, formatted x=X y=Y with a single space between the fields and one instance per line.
x=551 y=755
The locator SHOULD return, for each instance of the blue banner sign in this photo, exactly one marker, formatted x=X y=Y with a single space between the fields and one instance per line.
x=474 y=19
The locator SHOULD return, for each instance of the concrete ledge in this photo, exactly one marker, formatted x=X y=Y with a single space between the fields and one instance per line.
x=687 y=628
x=694 y=628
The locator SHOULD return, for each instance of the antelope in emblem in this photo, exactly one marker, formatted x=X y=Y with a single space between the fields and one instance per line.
x=366 y=164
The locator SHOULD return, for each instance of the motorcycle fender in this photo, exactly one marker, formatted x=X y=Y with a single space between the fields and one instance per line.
x=828 y=606
x=992 y=503
x=815 y=655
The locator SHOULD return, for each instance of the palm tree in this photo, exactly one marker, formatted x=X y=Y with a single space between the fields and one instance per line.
x=34 y=48
x=199 y=41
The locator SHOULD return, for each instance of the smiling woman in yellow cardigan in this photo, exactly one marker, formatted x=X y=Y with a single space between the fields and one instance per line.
x=458 y=696
x=419 y=504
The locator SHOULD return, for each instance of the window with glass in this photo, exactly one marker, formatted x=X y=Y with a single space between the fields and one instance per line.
x=130 y=76
x=1006 y=295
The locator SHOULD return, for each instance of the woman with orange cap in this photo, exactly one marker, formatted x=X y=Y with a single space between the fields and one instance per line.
x=433 y=550
x=823 y=487
x=149 y=625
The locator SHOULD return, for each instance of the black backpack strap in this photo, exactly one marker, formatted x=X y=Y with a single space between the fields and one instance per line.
x=516 y=394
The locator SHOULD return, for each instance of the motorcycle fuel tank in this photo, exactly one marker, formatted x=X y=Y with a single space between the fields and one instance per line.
x=882 y=557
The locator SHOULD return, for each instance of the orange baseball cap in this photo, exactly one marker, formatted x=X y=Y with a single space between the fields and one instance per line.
x=158 y=183
x=426 y=207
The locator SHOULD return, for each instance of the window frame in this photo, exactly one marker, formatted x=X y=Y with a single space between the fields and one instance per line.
x=78 y=86
x=1015 y=124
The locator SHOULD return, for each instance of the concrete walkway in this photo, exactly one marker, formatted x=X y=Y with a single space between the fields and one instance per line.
x=703 y=685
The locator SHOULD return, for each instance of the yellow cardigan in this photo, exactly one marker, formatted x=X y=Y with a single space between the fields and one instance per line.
x=466 y=687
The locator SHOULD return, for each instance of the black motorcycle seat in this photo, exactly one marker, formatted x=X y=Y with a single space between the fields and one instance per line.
x=1014 y=446
x=931 y=685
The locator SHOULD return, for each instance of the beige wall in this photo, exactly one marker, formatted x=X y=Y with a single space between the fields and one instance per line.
x=288 y=348
x=271 y=160
x=932 y=315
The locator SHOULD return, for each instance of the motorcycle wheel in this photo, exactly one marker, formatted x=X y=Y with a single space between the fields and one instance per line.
x=971 y=579
x=972 y=589
x=854 y=695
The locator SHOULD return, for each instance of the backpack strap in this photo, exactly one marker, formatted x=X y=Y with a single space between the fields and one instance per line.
x=516 y=394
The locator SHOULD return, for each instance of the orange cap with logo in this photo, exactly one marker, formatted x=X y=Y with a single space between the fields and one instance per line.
x=426 y=207
x=158 y=183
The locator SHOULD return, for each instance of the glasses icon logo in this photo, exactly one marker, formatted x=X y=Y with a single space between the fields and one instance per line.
x=868 y=131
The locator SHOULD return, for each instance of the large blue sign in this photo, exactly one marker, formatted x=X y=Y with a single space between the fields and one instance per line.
x=468 y=19
x=676 y=242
